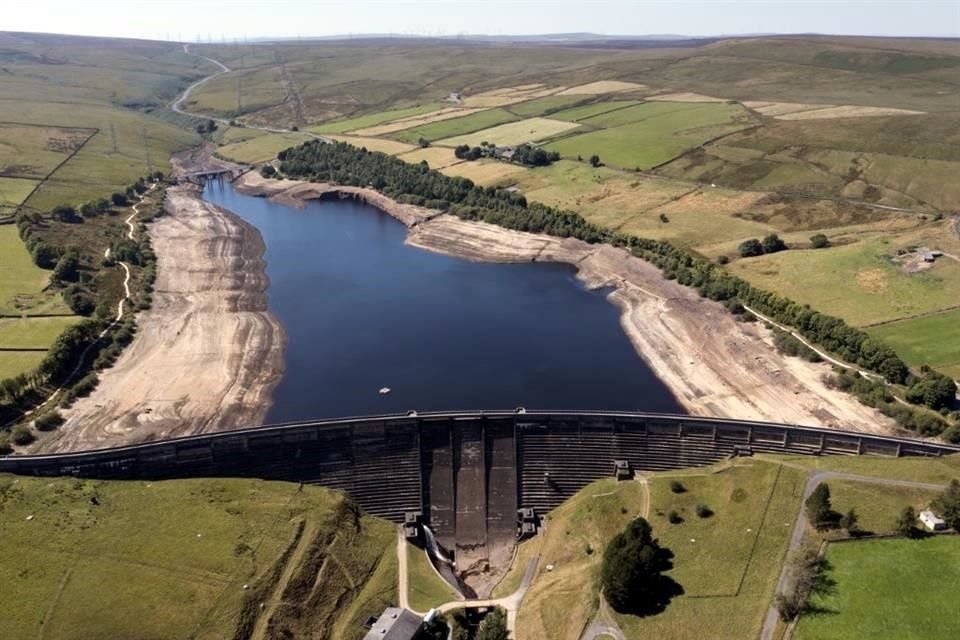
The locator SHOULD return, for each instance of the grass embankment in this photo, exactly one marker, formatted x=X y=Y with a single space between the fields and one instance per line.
x=177 y=555
x=888 y=589
x=426 y=589
x=562 y=599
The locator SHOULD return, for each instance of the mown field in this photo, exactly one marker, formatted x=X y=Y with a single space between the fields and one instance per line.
x=932 y=340
x=183 y=559
x=888 y=589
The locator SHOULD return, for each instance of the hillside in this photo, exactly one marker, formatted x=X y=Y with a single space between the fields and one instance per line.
x=188 y=559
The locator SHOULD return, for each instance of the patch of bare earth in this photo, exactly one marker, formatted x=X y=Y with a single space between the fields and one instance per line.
x=206 y=355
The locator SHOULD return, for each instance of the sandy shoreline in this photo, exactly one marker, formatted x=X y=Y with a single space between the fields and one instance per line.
x=713 y=364
x=206 y=356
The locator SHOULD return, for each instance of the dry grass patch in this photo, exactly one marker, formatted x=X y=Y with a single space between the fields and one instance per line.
x=436 y=157
x=848 y=111
x=415 y=121
x=485 y=172
x=602 y=86
x=529 y=130
x=685 y=96
x=376 y=144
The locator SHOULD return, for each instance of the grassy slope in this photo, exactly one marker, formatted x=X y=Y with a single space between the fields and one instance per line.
x=426 y=588
x=21 y=281
x=373 y=119
x=888 y=589
x=176 y=554
x=647 y=143
x=727 y=564
x=865 y=287
x=32 y=333
x=261 y=148
x=932 y=340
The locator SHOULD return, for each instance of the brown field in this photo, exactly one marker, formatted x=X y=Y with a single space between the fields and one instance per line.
x=485 y=172
x=415 y=121
x=602 y=86
x=848 y=111
x=436 y=157
x=376 y=144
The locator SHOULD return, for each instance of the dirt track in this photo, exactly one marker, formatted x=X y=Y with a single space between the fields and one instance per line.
x=206 y=356
x=714 y=364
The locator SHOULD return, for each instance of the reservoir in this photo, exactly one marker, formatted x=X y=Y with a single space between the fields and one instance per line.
x=364 y=312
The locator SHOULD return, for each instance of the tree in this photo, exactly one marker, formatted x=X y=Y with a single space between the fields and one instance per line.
x=119 y=199
x=494 y=626
x=820 y=512
x=423 y=142
x=631 y=574
x=66 y=213
x=594 y=160
x=267 y=171
x=67 y=269
x=850 y=522
x=819 y=241
x=906 y=524
x=947 y=504
x=44 y=256
x=772 y=244
x=750 y=248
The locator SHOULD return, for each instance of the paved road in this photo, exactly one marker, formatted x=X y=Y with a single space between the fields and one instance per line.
x=800 y=524
x=402 y=570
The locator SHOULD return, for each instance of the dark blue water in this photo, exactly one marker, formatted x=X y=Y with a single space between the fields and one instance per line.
x=362 y=311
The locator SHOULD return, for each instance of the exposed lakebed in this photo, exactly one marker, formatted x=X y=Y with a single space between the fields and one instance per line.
x=363 y=311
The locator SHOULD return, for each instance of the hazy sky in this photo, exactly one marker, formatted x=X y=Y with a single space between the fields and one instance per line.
x=205 y=19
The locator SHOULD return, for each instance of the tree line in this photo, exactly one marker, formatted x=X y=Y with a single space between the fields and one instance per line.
x=345 y=164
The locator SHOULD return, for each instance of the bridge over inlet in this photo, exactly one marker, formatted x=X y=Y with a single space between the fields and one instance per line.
x=468 y=473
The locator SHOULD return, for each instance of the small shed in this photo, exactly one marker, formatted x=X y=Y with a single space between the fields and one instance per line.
x=395 y=624
x=932 y=521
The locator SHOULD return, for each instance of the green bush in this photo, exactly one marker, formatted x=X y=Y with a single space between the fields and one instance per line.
x=22 y=436
x=49 y=421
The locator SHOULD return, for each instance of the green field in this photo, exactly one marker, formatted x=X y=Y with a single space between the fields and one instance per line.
x=545 y=106
x=576 y=114
x=425 y=588
x=13 y=191
x=877 y=506
x=673 y=113
x=262 y=148
x=932 y=340
x=857 y=282
x=30 y=151
x=13 y=363
x=32 y=333
x=21 y=281
x=177 y=554
x=888 y=589
x=645 y=144
x=457 y=126
x=529 y=130
x=372 y=119
x=733 y=558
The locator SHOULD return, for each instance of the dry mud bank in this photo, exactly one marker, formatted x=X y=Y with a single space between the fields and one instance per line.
x=714 y=364
x=206 y=355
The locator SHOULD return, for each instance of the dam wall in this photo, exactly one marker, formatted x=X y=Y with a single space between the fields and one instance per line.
x=466 y=472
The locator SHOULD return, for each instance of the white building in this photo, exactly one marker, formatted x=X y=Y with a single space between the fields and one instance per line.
x=931 y=521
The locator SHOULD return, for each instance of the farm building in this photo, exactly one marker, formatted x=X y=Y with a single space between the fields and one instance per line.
x=395 y=624
x=931 y=521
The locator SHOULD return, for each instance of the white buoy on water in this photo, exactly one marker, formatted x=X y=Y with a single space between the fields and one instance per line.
x=384 y=390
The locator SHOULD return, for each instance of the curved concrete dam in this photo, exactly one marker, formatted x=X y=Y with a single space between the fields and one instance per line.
x=467 y=473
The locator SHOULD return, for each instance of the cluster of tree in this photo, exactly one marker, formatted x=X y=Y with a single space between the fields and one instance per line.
x=807 y=571
x=947 y=505
x=822 y=517
x=206 y=127
x=632 y=571
x=524 y=154
x=789 y=345
x=345 y=164
x=877 y=395
x=753 y=247
x=933 y=389
x=493 y=626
